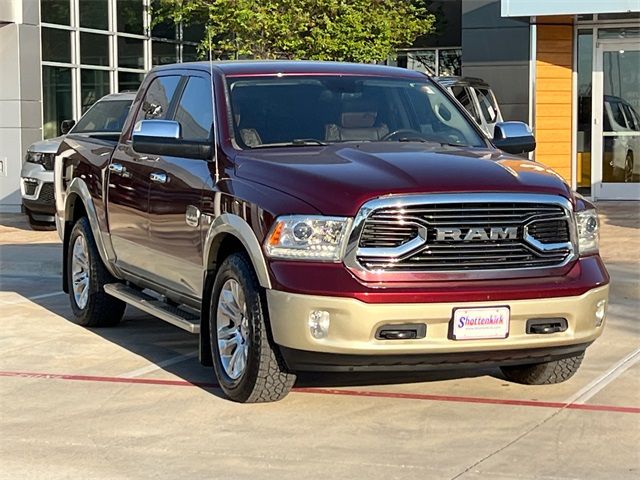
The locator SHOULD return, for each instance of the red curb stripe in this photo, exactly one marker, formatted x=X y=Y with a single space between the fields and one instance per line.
x=331 y=391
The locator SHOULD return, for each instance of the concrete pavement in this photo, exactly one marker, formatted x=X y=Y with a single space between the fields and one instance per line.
x=133 y=402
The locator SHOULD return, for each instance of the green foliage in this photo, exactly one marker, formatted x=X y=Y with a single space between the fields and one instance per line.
x=343 y=30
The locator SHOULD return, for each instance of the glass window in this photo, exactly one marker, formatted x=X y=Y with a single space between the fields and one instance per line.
x=165 y=29
x=94 y=49
x=583 y=138
x=617 y=116
x=195 y=111
x=157 y=98
x=488 y=106
x=632 y=117
x=619 y=33
x=56 y=99
x=130 y=16
x=164 y=53
x=56 y=45
x=128 y=81
x=193 y=32
x=464 y=97
x=450 y=62
x=421 y=61
x=94 y=14
x=55 y=11
x=94 y=84
x=190 y=53
x=274 y=111
x=130 y=52
x=104 y=116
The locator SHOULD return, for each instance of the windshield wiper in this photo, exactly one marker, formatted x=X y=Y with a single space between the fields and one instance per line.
x=297 y=142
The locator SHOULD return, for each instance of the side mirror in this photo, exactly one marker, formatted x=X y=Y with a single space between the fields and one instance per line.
x=164 y=137
x=514 y=137
x=66 y=126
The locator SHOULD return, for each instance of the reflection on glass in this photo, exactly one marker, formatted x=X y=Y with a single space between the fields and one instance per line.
x=128 y=81
x=56 y=45
x=163 y=53
x=94 y=49
x=621 y=122
x=94 y=84
x=130 y=52
x=619 y=33
x=193 y=32
x=94 y=14
x=419 y=60
x=55 y=11
x=190 y=53
x=450 y=62
x=56 y=99
x=583 y=138
x=130 y=16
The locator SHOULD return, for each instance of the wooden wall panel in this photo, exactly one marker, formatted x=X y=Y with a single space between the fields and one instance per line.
x=553 y=92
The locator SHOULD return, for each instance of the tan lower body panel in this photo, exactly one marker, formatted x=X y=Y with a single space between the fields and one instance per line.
x=354 y=324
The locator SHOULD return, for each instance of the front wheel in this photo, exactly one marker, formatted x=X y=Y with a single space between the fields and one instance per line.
x=544 y=373
x=87 y=275
x=246 y=360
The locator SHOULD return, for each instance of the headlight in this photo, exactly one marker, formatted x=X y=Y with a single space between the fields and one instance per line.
x=588 y=231
x=39 y=157
x=308 y=237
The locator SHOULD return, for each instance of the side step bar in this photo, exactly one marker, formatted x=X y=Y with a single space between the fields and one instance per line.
x=174 y=315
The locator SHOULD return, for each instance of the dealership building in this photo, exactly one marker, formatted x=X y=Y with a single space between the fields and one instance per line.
x=569 y=68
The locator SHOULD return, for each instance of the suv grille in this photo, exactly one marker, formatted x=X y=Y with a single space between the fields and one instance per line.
x=47 y=194
x=465 y=236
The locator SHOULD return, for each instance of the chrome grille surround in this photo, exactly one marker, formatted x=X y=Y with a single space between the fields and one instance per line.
x=400 y=244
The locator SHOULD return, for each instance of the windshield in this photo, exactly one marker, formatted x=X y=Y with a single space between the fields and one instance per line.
x=308 y=110
x=106 y=116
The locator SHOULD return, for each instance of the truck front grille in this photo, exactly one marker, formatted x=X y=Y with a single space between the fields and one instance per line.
x=465 y=236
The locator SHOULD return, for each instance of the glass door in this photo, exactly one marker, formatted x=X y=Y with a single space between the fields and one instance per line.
x=616 y=120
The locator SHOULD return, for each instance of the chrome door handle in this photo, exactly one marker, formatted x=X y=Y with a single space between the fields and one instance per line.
x=117 y=169
x=159 y=177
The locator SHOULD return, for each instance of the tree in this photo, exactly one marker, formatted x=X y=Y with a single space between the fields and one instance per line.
x=343 y=30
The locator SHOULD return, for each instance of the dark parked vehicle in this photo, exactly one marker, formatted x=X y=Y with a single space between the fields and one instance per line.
x=331 y=217
x=105 y=118
x=477 y=98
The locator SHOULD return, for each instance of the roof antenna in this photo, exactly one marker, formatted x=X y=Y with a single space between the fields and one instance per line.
x=213 y=111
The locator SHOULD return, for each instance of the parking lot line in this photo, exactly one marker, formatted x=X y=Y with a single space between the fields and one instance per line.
x=330 y=391
x=590 y=390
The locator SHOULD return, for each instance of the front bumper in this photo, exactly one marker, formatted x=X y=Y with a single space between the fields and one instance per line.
x=36 y=186
x=353 y=327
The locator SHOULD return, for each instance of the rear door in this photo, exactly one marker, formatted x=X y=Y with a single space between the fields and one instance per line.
x=176 y=191
x=128 y=184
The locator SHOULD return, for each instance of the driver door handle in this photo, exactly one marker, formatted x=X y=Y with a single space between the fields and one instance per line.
x=117 y=168
x=159 y=177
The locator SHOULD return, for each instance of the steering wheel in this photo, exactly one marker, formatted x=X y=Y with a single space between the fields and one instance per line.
x=409 y=134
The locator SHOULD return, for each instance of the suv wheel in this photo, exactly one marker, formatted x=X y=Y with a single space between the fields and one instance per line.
x=87 y=275
x=544 y=373
x=246 y=360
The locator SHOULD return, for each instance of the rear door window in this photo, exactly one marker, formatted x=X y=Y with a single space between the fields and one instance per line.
x=463 y=95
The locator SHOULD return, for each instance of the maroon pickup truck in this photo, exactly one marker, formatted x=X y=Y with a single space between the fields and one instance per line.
x=330 y=217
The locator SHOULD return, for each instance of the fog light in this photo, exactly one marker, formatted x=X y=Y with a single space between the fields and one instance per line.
x=601 y=312
x=319 y=323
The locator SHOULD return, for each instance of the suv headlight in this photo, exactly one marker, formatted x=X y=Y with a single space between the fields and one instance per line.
x=38 y=157
x=588 y=231
x=308 y=237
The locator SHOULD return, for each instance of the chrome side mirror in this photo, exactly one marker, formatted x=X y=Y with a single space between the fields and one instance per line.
x=66 y=126
x=514 y=137
x=164 y=137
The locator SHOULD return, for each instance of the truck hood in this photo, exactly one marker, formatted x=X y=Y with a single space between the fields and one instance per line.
x=46 y=146
x=339 y=178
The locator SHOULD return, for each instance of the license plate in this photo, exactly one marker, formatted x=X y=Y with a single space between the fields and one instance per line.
x=479 y=323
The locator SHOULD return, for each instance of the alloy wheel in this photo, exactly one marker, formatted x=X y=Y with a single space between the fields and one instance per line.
x=80 y=272
x=232 y=325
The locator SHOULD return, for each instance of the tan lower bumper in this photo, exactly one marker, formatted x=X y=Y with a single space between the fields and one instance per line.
x=354 y=324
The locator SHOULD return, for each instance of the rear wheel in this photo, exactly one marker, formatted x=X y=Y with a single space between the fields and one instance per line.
x=246 y=360
x=544 y=373
x=87 y=275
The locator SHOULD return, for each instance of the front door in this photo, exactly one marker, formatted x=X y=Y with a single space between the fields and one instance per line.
x=128 y=185
x=616 y=120
x=175 y=195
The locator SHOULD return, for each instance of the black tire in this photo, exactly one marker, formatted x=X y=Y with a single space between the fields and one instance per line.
x=546 y=373
x=101 y=310
x=265 y=377
x=40 y=226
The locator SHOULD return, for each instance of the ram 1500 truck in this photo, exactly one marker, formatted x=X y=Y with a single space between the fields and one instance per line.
x=331 y=217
